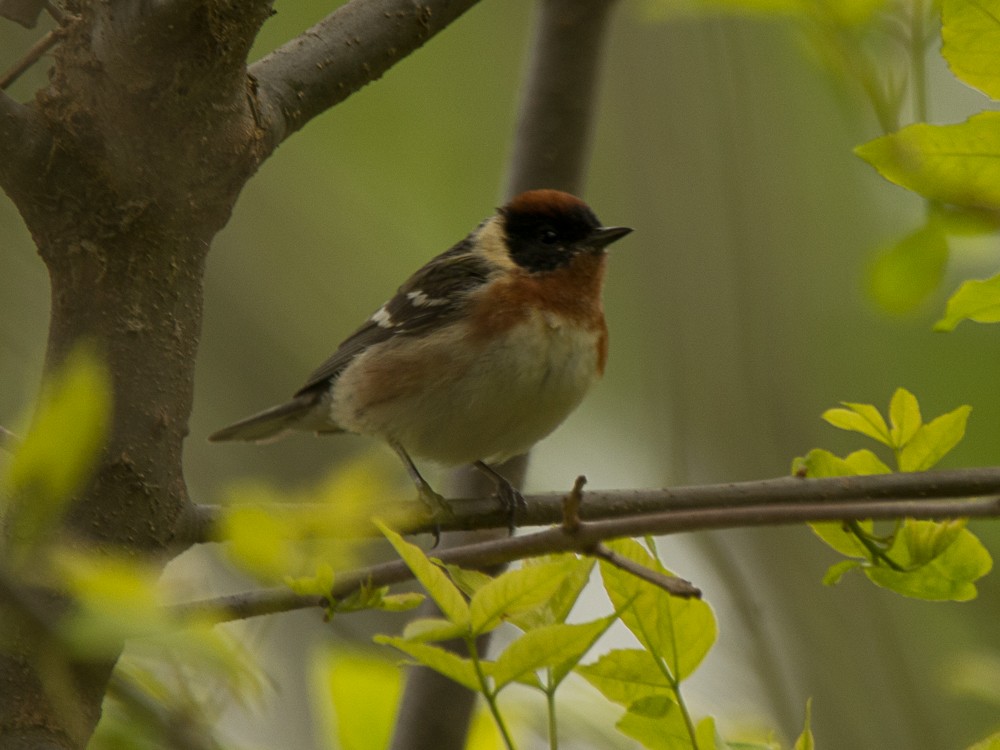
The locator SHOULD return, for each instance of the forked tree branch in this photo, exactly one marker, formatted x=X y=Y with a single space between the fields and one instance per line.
x=586 y=536
x=348 y=49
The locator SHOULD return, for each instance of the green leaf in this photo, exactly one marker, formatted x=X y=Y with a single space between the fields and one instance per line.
x=903 y=275
x=61 y=448
x=941 y=563
x=957 y=164
x=516 y=591
x=835 y=534
x=990 y=743
x=468 y=581
x=558 y=647
x=904 y=413
x=934 y=440
x=444 y=593
x=319 y=584
x=261 y=543
x=625 y=676
x=838 y=570
x=970 y=36
x=680 y=631
x=656 y=723
x=116 y=599
x=557 y=608
x=424 y=629
x=451 y=665
x=374 y=598
x=355 y=697
x=400 y=602
x=863 y=418
x=805 y=740
x=975 y=300
x=822 y=463
x=708 y=735
x=925 y=540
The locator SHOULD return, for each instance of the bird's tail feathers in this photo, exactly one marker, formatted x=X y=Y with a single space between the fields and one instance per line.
x=270 y=424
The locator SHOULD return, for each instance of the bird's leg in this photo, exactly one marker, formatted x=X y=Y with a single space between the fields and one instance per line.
x=435 y=503
x=506 y=493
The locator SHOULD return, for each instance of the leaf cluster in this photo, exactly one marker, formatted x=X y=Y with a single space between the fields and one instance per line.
x=921 y=559
x=673 y=637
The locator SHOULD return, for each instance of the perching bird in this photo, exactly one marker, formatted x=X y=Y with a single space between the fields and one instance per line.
x=480 y=354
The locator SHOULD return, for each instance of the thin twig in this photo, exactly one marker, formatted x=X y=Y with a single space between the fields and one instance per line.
x=33 y=55
x=673 y=585
x=555 y=540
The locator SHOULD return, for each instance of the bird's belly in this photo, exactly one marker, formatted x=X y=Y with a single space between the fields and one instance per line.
x=489 y=402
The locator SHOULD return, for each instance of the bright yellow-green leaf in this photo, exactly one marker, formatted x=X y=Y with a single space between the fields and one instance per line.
x=957 y=164
x=838 y=570
x=116 y=599
x=925 y=540
x=625 y=676
x=319 y=584
x=401 y=602
x=805 y=740
x=60 y=450
x=444 y=662
x=903 y=275
x=840 y=538
x=863 y=418
x=656 y=723
x=822 y=463
x=559 y=646
x=990 y=743
x=516 y=591
x=425 y=629
x=904 y=413
x=259 y=542
x=468 y=581
x=444 y=593
x=934 y=440
x=975 y=300
x=680 y=631
x=707 y=734
x=356 y=697
x=557 y=608
x=950 y=575
x=970 y=35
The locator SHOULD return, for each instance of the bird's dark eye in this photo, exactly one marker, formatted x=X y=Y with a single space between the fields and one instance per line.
x=549 y=237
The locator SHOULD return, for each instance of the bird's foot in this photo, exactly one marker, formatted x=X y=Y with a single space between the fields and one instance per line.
x=508 y=495
x=436 y=506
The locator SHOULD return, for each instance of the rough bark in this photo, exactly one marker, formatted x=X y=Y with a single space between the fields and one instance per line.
x=124 y=168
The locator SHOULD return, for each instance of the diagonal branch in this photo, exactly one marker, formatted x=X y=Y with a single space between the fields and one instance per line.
x=351 y=47
x=584 y=539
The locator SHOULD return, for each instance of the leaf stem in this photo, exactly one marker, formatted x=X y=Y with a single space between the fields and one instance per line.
x=489 y=694
x=918 y=59
x=873 y=548
x=550 y=702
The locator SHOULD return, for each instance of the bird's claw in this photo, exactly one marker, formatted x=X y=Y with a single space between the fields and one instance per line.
x=512 y=501
x=437 y=507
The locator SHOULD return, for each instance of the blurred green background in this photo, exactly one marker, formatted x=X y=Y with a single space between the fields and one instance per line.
x=737 y=316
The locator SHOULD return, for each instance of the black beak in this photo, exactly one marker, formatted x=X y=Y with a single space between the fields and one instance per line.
x=601 y=237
